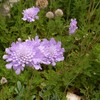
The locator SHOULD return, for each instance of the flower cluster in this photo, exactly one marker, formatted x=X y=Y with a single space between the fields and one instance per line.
x=73 y=26
x=30 y=14
x=33 y=53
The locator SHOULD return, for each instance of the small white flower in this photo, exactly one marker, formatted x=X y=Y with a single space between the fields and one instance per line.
x=3 y=80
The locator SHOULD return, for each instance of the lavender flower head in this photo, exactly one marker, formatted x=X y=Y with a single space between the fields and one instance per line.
x=52 y=51
x=22 y=54
x=33 y=53
x=73 y=26
x=30 y=14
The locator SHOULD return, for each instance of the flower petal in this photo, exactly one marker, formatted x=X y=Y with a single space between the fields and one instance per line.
x=9 y=66
x=8 y=50
x=18 y=71
x=37 y=67
x=5 y=56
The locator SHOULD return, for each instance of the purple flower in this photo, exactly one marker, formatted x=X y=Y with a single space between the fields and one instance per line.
x=52 y=51
x=73 y=26
x=33 y=53
x=30 y=14
x=22 y=54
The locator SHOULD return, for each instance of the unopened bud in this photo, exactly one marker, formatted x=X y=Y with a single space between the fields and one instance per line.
x=59 y=12
x=49 y=15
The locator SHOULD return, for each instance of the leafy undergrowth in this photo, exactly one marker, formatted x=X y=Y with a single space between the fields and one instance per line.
x=80 y=70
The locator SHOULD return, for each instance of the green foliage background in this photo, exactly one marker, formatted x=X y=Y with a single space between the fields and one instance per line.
x=80 y=70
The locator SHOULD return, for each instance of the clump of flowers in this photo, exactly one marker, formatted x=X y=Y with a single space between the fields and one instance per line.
x=33 y=53
x=42 y=3
x=73 y=26
x=49 y=15
x=30 y=14
x=59 y=12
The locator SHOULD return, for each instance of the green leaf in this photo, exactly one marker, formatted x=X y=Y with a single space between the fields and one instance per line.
x=19 y=86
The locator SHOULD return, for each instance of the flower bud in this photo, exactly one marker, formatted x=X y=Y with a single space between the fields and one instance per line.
x=59 y=12
x=49 y=15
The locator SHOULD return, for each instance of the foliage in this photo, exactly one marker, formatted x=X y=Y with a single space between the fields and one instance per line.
x=80 y=70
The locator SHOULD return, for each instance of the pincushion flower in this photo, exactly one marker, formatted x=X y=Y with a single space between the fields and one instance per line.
x=73 y=26
x=30 y=14
x=22 y=54
x=42 y=3
x=33 y=53
x=52 y=51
